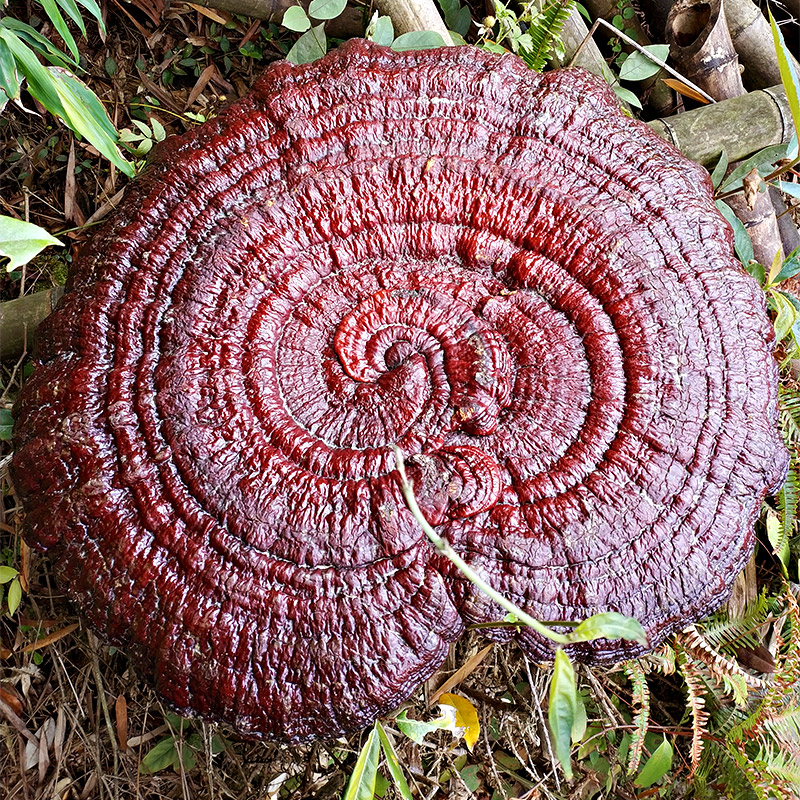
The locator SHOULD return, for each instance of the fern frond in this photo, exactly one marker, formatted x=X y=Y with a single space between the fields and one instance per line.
x=790 y=415
x=697 y=706
x=641 y=700
x=724 y=670
x=728 y=634
x=788 y=498
x=545 y=27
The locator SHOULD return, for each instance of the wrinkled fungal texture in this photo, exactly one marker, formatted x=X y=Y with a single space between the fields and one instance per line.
x=529 y=293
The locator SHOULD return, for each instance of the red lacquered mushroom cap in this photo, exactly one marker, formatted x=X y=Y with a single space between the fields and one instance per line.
x=529 y=293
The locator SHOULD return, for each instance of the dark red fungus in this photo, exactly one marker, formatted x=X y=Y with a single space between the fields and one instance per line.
x=528 y=292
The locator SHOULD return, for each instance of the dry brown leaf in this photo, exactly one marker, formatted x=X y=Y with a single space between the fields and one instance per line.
x=681 y=88
x=121 y=713
x=49 y=639
x=460 y=674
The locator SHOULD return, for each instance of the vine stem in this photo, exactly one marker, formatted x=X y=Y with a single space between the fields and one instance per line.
x=443 y=547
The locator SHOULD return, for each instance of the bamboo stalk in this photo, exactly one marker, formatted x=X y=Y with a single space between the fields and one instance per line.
x=580 y=50
x=701 y=47
x=414 y=15
x=741 y=126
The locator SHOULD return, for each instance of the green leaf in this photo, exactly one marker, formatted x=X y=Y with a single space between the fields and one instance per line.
x=788 y=72
x=383 y=31
x=762 y=160
x=609 y=625
x=41 y=44
x=626 y=96
x=778 y=539
x=418 y=40
x=21 y=241
x=159 y=134
x=161 y=756
x=758 y=272
x=790 y=266
x=741 y=243
x=326 y=9
x=61 y=26
x=85 y=115
x=14 y=596
x=656 y=767
x=309 y=47
x=562 y=710
x=639 y=67
x=362 y=781
x=71 y=9
x=7 y=574
x=719 y=170
x=393 y=763
x=40 y=81
x=94 y=9
x=9 y=78
x=792 y=189
x=6 y=426
x=415 y=729
x=786 y=316
x=296 y=19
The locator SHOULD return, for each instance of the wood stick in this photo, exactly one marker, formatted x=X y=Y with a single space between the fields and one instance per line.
x=577 y=40
x=352 y=22
x=20 y=318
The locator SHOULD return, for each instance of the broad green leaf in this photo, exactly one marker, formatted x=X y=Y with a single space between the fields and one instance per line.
x=393 y=762
x=788 y=72
x=40 y=44
x=59 y=23
x=415 y=729
x=9 y=77
x=562 y=710
x=160 y=756
x=94 y=9
x=741 y=238
x=758 y=272
x=20 y=241
x=70 y=8
x=609 y=625
x=383 y=31
x=362 y=781
x=326 y=9
x=85 y=115
x=639 y=67
x=719 y=170
x=6 y=427
x=493 y=47
x=790 y=266
x=656 y=767
x=309 y=47
x=14 y=596
x=786 y=316
x=40 y=81
x=296 y=19
x=418 y=40
x=7 y=574
x=626 y=96
x=159 y=134
x=762 y=160
x=792 y=189
x=466 y=718
x=581 y=720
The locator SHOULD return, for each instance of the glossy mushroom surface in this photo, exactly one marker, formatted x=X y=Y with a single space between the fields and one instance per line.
x=529 y=293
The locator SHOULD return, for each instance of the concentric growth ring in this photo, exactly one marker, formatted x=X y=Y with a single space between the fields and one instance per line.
x=529 y=293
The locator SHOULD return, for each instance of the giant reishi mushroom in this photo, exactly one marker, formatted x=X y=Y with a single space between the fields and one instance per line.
x=529 y=293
